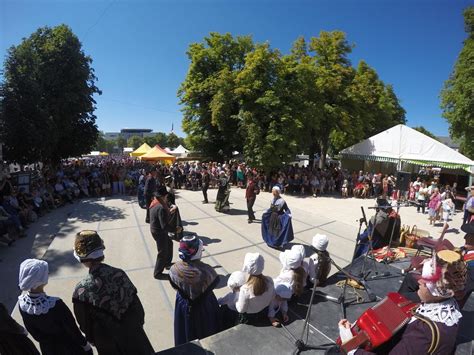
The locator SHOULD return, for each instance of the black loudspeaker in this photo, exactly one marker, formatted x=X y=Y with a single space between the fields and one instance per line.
x=403 y=181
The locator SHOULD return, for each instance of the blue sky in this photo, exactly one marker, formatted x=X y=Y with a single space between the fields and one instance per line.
x=139 y=47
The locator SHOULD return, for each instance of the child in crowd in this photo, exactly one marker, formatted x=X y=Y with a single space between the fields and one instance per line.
x=279 y=304
x=319 y=264
x=227 y=303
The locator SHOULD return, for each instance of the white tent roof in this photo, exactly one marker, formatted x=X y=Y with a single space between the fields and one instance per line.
x=402 y=143
x=180 y=150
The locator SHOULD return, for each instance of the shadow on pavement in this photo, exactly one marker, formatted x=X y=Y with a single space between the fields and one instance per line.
x=96 y=210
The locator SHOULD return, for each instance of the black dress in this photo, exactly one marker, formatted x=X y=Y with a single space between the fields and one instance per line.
x=56 y=331
x=13 y=339
x=110 y=313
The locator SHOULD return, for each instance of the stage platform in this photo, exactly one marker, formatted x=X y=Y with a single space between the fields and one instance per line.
x=244 y=339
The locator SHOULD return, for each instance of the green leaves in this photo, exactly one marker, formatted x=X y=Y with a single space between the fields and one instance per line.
x=251 y=98
x=457 y=96
x=47 y=97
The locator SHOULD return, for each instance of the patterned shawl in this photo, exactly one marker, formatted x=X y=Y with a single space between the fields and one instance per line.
x=192 y=278
x=107 y=288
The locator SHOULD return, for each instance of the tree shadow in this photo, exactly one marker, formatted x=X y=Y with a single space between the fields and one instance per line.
x=190 y=223
x=57 y=259
x=97 y=211
x=236 y=212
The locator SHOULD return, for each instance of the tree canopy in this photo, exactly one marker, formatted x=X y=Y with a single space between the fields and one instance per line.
x=423 y=130
x=247 y=97
x=457 y=96
x=47 y=98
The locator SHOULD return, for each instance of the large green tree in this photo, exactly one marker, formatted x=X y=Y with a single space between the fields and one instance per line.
x=210 y=108
x=423 y=130
x=48 y=98
x=457 y=96
x=134 y=142
x=334 y=75
x=269 y=128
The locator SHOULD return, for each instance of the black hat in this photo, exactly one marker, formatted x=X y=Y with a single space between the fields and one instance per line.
x=161 y=191
x=468 y=228
x=382 y=202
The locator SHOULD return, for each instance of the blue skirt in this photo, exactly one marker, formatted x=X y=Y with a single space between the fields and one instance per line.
x=196 y=319
x=278 y=237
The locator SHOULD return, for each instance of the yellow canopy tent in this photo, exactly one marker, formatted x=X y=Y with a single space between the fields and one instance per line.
x=144 y=148
x=158 y=154
x=103 y=153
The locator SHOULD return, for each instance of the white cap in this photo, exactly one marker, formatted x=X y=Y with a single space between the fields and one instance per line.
x=276 y=188
x=320 y=242
x=33 y=273
x=236 y=279
x=291 y=259
x=253 y=264
x=283 y=289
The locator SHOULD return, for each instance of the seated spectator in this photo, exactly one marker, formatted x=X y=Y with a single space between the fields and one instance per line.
x=227 y=303
x=279 y=304
x=256 y=294
x=292 y=271
x=319 y=264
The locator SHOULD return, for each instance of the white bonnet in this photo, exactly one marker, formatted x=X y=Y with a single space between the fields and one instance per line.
x=33 y=273
x=253 y=264
x=320 y=242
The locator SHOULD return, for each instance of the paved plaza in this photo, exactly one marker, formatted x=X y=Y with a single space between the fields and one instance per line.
x=227 y=237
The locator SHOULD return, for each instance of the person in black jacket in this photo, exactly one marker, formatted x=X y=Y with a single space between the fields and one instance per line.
x=149 y=189
x=13 y=337
x=47 y=318
x=206 y=180
x=159 y=218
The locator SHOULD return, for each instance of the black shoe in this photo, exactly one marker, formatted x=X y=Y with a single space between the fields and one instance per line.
x=161 y=276
x=249 y=221
x=205 y=202
x=167 y=267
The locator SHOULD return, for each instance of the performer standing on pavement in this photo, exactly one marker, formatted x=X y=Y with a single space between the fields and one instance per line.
x=206 y=180
x=251 y=193
x=149 y=189
x=106 y=303
x=47 y=318
x=159 y=217
x=223 y=192
x=277 y=230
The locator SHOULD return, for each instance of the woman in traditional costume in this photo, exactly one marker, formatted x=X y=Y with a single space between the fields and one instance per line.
x=223 y=193
x=196 y=313
x=434 y=325
x=256 y=294
x=277 y=230
x=47 y=319
x=106 y=303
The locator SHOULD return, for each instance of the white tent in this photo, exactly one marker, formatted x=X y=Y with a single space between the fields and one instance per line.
x=180 y=150
x=402 y=144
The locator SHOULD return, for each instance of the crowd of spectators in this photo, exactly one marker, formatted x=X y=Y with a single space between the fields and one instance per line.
x=51 y=188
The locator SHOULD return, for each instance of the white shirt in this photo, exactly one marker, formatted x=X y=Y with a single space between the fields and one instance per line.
x=313 y=266
x=249 y=303
x=230 y=299
x=277 y=305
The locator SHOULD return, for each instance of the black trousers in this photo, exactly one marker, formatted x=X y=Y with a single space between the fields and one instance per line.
x=165 y=251
x=204 y=192
x=250 y=202
x=421 y=204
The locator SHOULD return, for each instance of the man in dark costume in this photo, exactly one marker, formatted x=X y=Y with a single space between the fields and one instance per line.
x=251 y=195
x=206 y=180
x=150 y=187
x=277 y=229
x=159 y=217
x=106 y=303
x=381 y=225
